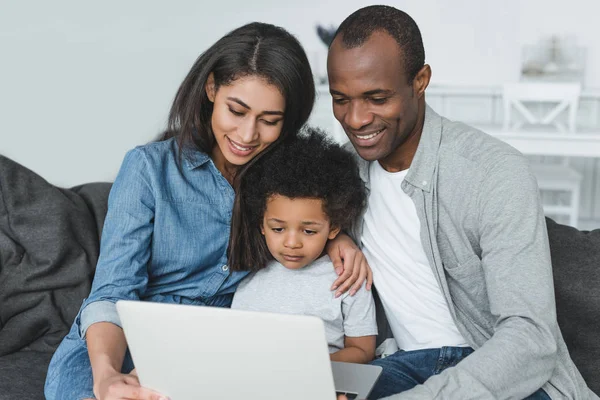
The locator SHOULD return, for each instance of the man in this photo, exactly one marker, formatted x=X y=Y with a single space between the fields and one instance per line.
x=454 y=231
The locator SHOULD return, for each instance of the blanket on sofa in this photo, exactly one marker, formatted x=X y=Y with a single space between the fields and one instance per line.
x=48 y=251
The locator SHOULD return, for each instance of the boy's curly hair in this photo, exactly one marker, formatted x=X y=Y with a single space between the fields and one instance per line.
x=309 y=166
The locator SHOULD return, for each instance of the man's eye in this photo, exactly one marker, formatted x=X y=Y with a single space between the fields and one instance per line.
x=378 y=100
x=237 y=113
x=339 y=101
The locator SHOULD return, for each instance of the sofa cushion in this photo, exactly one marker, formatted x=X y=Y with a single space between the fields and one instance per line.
x=23 y=375
x=576 y=267
x=49 y=247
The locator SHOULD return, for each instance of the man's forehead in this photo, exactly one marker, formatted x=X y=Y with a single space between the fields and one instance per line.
x=374 y=62
x=375 y=42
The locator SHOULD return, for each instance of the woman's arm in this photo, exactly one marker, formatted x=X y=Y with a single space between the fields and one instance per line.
x=360 y=350
x=121 y=273
x=106 y=348
x=350 y=264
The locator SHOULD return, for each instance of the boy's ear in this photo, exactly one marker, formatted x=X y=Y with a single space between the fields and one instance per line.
x=210 y=87
x=333 y=232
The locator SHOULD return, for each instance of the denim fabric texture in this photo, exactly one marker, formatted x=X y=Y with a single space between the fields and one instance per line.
x=404 y=370
x=165 y=239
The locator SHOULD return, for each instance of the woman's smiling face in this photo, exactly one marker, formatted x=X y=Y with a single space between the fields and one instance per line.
x=247 y=117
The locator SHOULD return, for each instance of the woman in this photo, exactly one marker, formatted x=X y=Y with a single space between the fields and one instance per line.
x=166 y=232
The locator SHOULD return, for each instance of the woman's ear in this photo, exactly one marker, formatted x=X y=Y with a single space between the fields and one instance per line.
x=262 y=230
x=333 y=232
x=210 y=87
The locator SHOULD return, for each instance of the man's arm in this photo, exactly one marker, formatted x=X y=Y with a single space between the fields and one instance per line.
x=515 y=258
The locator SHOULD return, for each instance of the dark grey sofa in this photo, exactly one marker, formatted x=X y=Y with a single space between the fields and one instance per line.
x=49 y=243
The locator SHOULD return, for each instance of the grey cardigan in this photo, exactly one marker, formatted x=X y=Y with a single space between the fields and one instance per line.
x=484 y=234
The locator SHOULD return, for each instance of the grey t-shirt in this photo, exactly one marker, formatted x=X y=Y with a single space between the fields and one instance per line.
x=306 y=291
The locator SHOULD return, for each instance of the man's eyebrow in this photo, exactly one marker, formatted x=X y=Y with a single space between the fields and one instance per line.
x=377 y=91
x=367 y=93
x=246 y=106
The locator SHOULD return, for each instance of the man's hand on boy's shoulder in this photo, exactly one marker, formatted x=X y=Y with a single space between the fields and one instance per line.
x=350 y=264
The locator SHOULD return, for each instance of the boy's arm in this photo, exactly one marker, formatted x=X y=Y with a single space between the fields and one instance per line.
x=360 y=350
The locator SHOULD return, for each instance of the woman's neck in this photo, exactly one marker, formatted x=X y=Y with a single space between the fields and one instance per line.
x=227 y=169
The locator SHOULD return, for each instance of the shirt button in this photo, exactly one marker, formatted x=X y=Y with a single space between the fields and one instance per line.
x=225 y=268
x=424 y=183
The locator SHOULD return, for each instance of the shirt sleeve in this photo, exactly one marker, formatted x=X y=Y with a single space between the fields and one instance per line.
x=358 y=312
x=125 y=248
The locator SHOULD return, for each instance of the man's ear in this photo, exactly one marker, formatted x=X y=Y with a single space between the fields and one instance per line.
x=210 y=87
x=333 y=233
x=422 y=80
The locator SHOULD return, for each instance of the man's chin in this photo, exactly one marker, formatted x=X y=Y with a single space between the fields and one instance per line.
x=367 y=153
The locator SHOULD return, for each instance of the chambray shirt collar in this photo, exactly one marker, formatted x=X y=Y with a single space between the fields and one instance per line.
x=194 y=158
x=424 y=163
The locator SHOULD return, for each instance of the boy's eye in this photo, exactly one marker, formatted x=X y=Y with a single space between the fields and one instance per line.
x=309 y=232
x=237 y=113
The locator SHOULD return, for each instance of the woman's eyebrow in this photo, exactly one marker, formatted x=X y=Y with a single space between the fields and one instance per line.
x=246 y=106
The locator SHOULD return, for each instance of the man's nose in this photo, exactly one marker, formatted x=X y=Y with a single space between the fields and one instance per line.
x=357 y=116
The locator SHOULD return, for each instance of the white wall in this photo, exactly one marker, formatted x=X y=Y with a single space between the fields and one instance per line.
x=83 y=82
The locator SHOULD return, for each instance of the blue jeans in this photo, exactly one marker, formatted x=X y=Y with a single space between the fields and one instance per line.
x=404 y=370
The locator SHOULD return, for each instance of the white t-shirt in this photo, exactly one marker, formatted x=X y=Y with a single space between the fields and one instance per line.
x=414 y=304
x=306 y=291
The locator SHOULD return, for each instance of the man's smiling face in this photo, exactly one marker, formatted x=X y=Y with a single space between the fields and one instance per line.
x=373 y=99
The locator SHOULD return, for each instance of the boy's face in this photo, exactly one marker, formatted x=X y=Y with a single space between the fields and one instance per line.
x=296 y=230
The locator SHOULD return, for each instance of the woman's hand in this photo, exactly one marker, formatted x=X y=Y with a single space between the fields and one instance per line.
x=350 y=264
x=124 y=386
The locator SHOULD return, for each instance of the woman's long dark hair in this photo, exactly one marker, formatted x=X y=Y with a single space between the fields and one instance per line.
x=256 y=49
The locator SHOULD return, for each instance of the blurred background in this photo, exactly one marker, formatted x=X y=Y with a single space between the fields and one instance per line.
x=83 y=82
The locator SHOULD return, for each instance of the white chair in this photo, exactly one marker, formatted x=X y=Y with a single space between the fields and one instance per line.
x=561 y=97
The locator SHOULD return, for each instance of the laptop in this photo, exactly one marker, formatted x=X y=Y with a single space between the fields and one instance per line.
x=192 y=352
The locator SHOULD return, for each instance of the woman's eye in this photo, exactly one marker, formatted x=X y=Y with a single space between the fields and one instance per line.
x=271 y=123
x=277 y=230
x=237 y=113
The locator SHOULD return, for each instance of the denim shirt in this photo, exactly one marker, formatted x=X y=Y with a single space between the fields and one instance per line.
x=165 y=235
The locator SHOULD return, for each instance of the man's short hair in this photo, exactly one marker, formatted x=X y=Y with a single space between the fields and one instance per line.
x=358 y=27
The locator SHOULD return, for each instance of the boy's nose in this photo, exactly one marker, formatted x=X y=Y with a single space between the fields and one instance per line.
x=292 y=241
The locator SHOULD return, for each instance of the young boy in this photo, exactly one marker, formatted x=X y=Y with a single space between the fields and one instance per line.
x=291 y=202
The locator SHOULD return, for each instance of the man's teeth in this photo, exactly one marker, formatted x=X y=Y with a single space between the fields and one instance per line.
x=240 y=148
x=371 y=136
